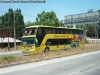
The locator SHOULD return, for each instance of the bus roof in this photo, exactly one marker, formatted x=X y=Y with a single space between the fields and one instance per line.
x=51 y=27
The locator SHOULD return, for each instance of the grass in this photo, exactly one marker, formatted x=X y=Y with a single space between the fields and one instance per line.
x=46 y=56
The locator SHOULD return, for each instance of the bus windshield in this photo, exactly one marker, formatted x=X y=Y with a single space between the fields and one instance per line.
x=30 y=31
x=28 y=41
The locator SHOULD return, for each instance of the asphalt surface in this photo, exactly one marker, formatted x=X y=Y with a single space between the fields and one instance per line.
x=12 y=53
x=19 y=52
x=82 y=64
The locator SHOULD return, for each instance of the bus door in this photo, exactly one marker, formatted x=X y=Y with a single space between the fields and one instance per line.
x=36 y=45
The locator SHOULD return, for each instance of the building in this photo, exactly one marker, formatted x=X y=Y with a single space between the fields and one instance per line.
x=8 y=40
x=90 y=40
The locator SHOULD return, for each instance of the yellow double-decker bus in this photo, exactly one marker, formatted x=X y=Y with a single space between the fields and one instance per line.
x=45 y=38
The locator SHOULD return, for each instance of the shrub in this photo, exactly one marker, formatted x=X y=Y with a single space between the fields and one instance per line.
x=8 y=58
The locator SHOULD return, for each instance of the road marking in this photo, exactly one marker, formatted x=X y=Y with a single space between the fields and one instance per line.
x=73 y=73
x=45 y=62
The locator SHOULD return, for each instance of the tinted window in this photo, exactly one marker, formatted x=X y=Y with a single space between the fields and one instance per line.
x=28 y=41
x=58 y=41
x=30 y=31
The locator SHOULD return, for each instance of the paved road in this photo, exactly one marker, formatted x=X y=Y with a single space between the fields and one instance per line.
x=19 y=53
x=82 y=64
x=12 y=53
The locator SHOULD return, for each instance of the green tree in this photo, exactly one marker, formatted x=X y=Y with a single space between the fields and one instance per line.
x=80 y=26
x=29 y=23
x=90 y=30
x=8 y=22
x=91 y=10
x=47 y=18
x=19 y=22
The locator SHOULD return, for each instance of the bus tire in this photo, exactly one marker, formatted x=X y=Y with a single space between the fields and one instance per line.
x=46 y=49
x=74 y=46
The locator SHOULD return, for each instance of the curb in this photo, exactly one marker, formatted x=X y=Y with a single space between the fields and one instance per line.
x=32 y=61
x=14 y=64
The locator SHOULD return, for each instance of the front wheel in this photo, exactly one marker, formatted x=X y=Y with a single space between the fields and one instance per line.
x=46 y=49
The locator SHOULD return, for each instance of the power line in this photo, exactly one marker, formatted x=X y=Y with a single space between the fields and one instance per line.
x=29 y=15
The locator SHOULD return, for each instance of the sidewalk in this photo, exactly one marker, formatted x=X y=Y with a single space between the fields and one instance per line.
x=10 y=49
x=2 y=52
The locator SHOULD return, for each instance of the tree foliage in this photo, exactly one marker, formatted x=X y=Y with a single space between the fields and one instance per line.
x=44 y=18
x=47 y=18
x=7 y=22
x=90 y=11
x=29 y=23
x=92 y=30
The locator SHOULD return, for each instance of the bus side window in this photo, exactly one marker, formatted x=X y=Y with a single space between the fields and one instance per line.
x=48 y=42
x=57 y=31
x=61 y=31
x=50 y=31
x=79 y=32
x=76 y=32
x=54 y=31
x=39 y=30
x=65 y=31
x=35 y=31
x=43 y=31
x=68 y=32
x=71 y=31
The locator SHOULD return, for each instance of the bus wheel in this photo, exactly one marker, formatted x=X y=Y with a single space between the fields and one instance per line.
x=46 y=49
x=74 y=46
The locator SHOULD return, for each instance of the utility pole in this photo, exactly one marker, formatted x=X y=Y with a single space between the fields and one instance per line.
x=14 y=32
x=1 y=33
x=8 y=40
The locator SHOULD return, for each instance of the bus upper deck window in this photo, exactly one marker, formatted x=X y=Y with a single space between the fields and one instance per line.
x=47 y=31
x=30 y=32
x=54 y=31
x=39 y=30
x=35 y=31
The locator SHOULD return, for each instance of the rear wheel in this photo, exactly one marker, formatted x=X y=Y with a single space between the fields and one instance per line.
x=74 y=46
x=46 y=49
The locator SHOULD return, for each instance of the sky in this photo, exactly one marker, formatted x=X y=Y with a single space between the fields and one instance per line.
x=60 y=7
